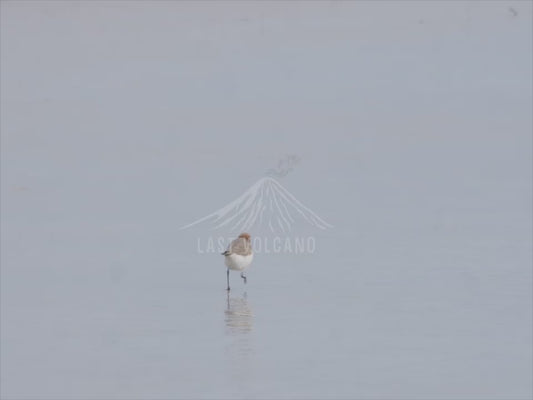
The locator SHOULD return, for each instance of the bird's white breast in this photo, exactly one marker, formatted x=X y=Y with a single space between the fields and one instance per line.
x=238 y=262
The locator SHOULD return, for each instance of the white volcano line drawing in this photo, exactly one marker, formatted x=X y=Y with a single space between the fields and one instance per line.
x=265 y=203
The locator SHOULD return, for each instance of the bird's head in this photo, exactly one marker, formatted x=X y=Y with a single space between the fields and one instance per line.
x=245 y=236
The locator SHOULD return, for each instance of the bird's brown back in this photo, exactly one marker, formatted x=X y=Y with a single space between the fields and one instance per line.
x=241 y=246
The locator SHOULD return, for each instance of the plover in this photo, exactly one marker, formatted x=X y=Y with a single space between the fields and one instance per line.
x=239 y=255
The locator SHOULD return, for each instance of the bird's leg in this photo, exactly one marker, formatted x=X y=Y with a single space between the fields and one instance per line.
x=227 y=276
x=243 y=277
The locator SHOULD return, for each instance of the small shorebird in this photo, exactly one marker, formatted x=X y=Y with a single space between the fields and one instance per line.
x=239 y=255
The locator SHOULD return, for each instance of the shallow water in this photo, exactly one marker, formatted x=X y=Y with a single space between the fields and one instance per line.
x=411 y=123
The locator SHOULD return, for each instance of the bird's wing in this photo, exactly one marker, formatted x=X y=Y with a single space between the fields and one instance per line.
x=240 y=246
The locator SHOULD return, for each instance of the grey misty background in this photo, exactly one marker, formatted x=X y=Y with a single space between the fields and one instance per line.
x=123 y=121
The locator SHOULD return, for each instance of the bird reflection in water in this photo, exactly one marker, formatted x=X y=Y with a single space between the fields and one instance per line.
x=238 y=315
x=239 y=347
